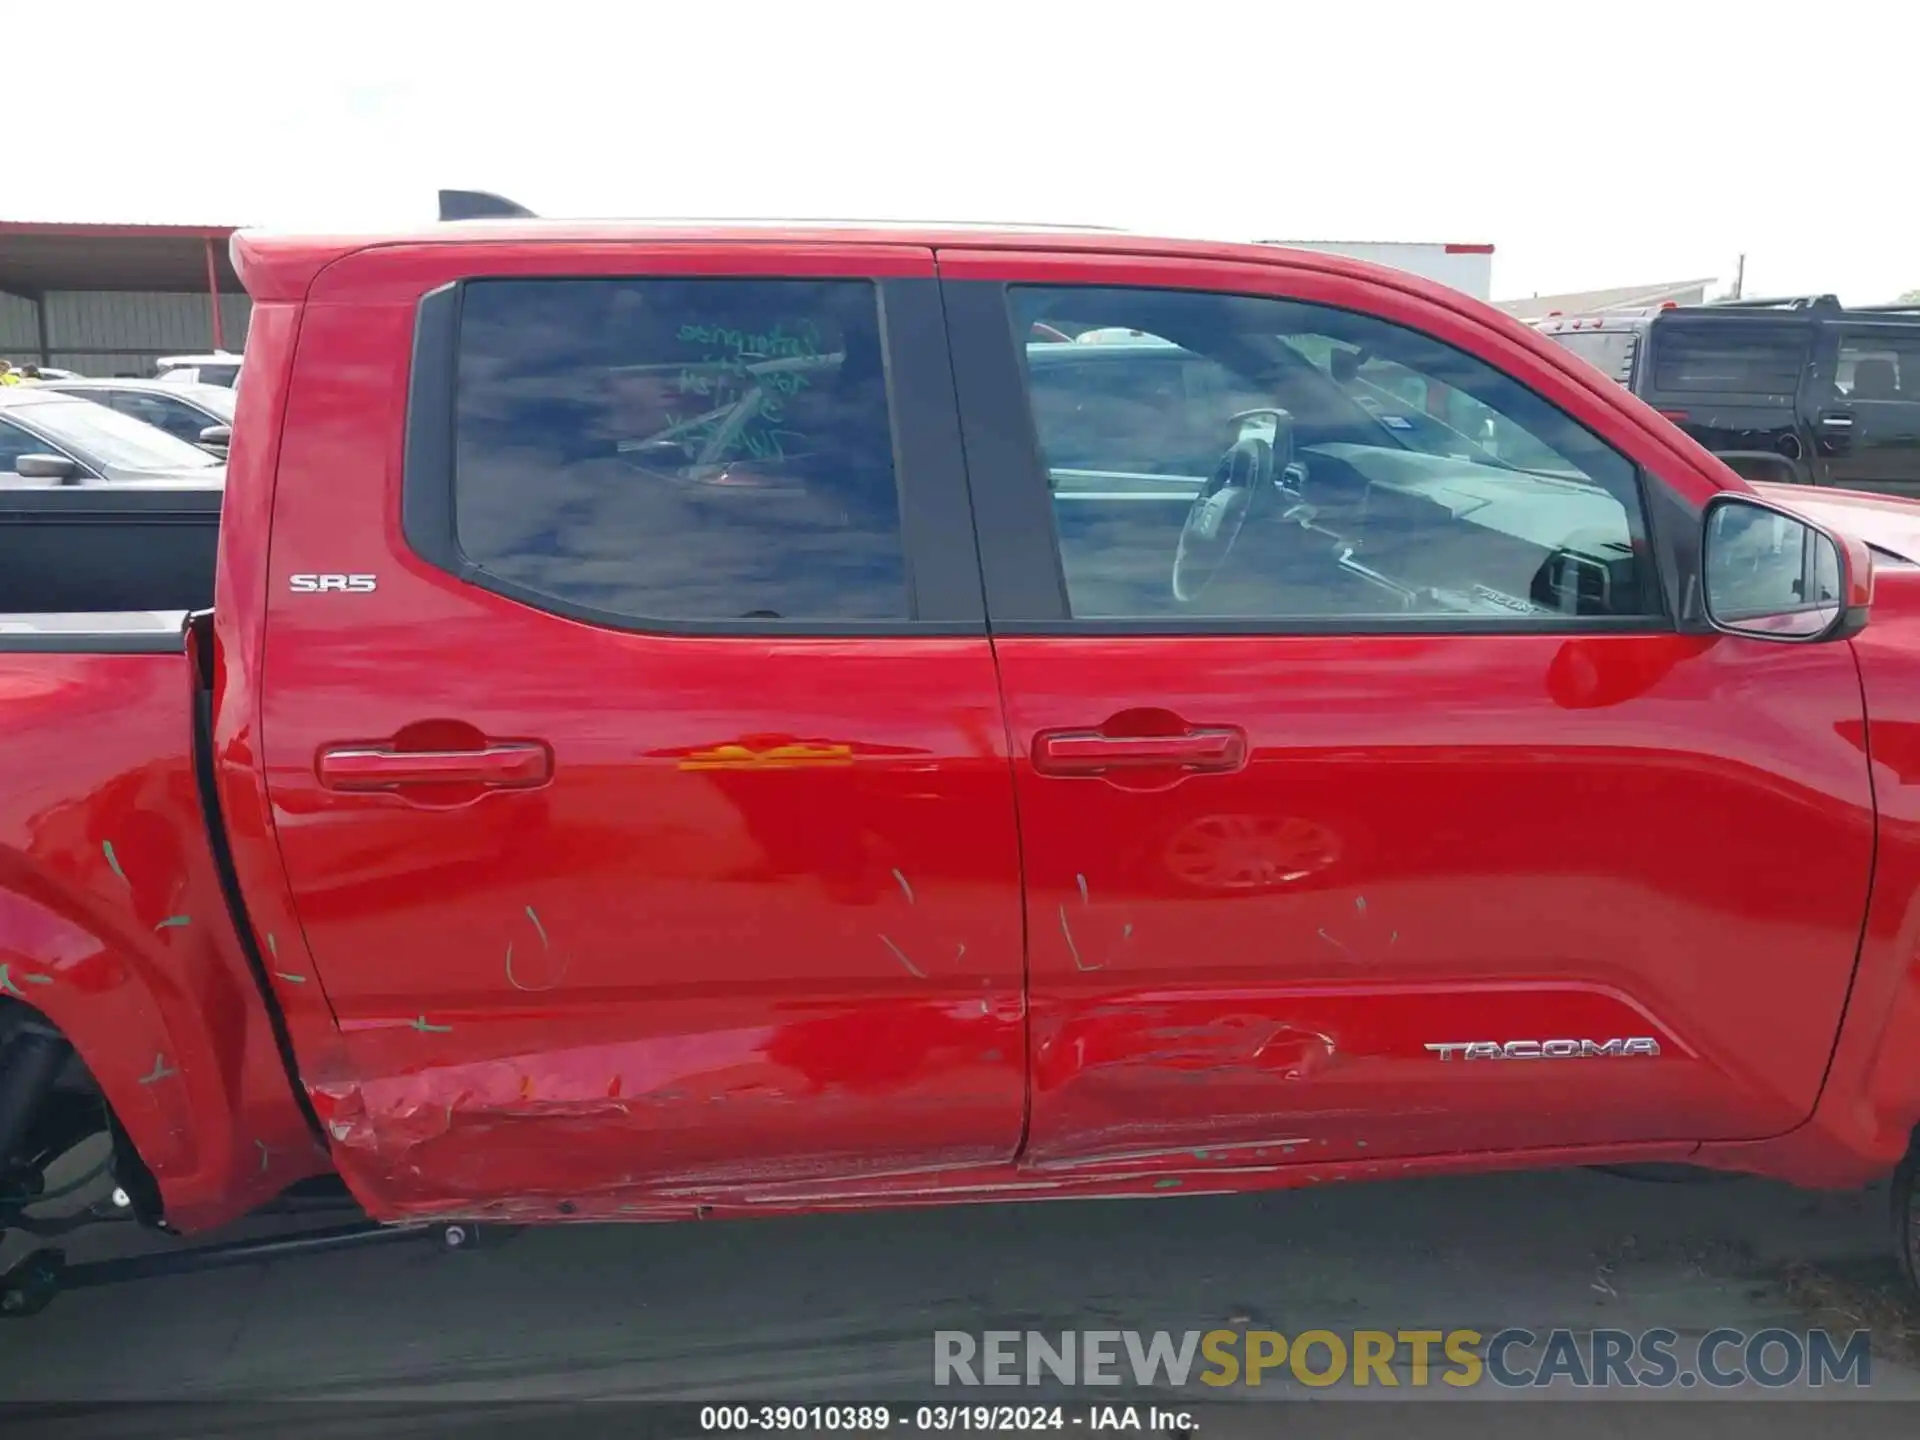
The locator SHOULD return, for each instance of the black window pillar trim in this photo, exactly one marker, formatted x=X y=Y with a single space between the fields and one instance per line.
x=1012 y=502
x=941 y=549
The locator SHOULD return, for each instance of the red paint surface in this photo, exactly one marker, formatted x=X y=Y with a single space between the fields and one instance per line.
x=112 y=924
x=772 y=933
x=1442 y=839
x=671 y=963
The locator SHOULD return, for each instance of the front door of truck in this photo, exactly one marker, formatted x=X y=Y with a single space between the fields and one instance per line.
x=633 y=735
x=1371 y=804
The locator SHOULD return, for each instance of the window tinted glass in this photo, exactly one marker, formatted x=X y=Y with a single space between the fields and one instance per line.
x=1881 y=365
x=1728 y=360
x=1135 y=406
x=15 y=442
x=680 y=449
x=181 y=421
x=104 y=436
x=1381 y=474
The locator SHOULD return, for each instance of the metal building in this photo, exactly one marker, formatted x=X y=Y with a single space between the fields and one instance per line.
x=111 y=299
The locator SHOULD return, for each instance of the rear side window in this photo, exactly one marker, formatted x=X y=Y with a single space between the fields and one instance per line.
x=679 y=449
x=1734 y=359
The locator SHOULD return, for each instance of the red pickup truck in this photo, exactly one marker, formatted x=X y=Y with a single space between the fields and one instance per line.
x=705 y=721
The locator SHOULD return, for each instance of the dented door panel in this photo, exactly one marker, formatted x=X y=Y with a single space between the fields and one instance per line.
x=753 y=916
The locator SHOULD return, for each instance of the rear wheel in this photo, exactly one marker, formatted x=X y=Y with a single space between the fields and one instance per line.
x=1906 y=1216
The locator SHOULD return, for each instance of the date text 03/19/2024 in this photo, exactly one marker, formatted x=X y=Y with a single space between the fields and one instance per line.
x=940 y=1419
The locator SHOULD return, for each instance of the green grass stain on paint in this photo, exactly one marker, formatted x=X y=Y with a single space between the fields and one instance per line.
x=172 y=922
x=113 y=861
x=1166 y=1184
x=424 y=1028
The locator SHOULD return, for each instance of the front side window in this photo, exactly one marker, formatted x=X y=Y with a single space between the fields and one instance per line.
x=15 y=442
x=1341 y=466
x=679 y=449
x=181 y=421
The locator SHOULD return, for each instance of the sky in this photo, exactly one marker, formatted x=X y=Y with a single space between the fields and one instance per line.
x=1594 y=143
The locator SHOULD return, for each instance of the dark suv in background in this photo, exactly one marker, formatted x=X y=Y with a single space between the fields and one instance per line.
x=1802 y=390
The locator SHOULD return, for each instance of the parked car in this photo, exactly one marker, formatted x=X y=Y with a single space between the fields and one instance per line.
x=219 y=368
x=1801 y=390
x=201 y=415
x=709 y=765
x=50 y=437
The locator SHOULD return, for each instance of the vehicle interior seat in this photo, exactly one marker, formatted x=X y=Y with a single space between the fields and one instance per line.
x=1875 y=380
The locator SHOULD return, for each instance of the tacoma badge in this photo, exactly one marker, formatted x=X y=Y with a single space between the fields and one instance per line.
x=1544 y=1049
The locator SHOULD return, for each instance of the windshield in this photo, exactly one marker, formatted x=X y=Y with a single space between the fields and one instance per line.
x=115 y=441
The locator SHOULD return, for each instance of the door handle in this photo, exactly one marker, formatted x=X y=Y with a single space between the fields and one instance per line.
x=1837 y=420
x=504 y=765
x=1090 y=752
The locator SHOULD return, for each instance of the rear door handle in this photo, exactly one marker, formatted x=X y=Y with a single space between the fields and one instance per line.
x=1837 y=420
x=1089 y=752
x=505 y=765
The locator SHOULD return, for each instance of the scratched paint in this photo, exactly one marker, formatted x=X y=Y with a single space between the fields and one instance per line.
x=905 y=888
x=161 y=1071
x=113 y=861
x=901 y=955
x=290 y=977
x=420 y=1023
x=173 y=922
x=557 y=974
x=1066 y=930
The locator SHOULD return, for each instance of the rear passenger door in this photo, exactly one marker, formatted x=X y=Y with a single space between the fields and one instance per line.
x=645 y=798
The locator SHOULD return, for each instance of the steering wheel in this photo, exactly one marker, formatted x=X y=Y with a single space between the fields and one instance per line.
x=1241 y=485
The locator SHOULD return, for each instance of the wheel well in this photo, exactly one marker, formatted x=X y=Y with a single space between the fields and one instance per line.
x=56 y=1114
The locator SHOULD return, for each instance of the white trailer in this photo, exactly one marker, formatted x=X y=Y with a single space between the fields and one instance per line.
x=1467 y=267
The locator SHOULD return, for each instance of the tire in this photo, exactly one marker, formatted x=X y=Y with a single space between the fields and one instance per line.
x=1906 y=1218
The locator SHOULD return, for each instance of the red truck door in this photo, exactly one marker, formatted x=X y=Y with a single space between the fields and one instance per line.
x=1372 y=800
x=632 y=731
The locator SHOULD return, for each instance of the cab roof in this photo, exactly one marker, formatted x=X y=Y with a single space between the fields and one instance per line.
x=279 y=266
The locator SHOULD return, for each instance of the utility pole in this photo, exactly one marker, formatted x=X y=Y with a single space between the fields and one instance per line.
x=1740 y=278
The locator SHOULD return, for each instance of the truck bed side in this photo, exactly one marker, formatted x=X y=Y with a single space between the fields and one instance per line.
x=114 y=918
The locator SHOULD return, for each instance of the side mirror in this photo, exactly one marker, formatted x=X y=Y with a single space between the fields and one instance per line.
x=46 y=467
x=217 y=436
x=1767 y=573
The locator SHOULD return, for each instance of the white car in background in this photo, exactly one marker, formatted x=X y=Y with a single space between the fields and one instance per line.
x=197 y=413
x=222 y=367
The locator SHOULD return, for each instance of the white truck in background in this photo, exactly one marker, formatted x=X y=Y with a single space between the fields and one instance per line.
x=1464 y=266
